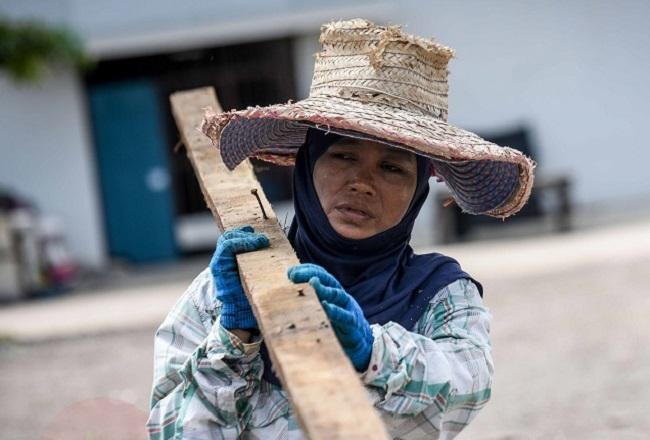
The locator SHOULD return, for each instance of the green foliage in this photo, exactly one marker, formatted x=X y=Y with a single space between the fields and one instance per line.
x=27 y=48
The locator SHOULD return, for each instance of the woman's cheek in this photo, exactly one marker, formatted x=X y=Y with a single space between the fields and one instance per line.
x=327 y=192
x=400 y=197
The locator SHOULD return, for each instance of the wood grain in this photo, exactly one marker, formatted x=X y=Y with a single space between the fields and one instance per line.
x=325 y=391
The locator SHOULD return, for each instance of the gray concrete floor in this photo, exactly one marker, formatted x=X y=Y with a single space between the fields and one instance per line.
x=571 y=357
x=570 y=336
x=41 y=380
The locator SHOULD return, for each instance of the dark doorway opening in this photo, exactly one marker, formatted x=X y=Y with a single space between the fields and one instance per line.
x=257 y=73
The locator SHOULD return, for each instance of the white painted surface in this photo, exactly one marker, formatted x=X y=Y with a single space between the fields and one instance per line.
x=116 y=28
x=575 y=72
x=304 y=48
x=47 y=158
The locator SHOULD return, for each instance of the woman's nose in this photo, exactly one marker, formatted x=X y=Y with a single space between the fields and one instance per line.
x=362 y=186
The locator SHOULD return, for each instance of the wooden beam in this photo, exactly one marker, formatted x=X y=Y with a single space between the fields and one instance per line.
x=327 y=396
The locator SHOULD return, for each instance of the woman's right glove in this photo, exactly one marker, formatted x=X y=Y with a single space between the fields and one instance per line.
x=236 y=312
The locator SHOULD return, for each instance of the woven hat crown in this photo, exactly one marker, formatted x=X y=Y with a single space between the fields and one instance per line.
x=365 y=62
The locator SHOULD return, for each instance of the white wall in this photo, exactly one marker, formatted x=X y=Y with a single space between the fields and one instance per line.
x=116 y=28
x=575 y=71
x=304 y=48
x=45 y=155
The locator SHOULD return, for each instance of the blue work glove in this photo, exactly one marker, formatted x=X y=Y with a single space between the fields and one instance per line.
x=236 y=312
x=349 y=324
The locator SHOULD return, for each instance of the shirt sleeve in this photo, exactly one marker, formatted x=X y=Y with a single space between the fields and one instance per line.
x=435 y=378
x=205 y=378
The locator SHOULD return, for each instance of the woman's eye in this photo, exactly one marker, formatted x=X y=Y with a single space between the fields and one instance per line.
x=392 y=168
x=342 y=156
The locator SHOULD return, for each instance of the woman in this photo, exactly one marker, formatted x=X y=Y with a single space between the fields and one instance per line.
x=413 y=326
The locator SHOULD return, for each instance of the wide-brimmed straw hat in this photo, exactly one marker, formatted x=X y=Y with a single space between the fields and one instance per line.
x=379 y=83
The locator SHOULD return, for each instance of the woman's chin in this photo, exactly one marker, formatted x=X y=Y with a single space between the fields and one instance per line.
x=352 y=232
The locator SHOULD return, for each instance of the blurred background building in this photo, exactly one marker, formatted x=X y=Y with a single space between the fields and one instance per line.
x=98 y=149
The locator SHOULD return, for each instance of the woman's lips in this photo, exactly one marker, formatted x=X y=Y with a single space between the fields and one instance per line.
x=353 y=213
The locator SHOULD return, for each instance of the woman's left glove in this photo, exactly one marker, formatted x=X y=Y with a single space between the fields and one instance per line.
x=350 y=326
x=236 y=312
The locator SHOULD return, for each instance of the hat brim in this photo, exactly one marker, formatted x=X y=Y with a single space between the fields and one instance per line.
x=483 y=177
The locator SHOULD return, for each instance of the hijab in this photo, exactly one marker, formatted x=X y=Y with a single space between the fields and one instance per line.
x=382 y=273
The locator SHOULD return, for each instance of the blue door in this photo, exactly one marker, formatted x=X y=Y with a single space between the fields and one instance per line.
x=134 y=171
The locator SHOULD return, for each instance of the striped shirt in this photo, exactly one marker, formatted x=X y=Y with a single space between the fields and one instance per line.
x=428 y=382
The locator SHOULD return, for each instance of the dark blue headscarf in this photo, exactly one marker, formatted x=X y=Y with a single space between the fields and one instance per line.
x=388 y=280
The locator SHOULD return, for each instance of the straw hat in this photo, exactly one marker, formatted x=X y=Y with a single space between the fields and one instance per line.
x=379 y=83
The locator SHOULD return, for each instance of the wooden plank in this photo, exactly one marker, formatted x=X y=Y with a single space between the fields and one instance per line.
x=325 y=391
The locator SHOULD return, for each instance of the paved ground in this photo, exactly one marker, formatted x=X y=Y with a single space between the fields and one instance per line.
x=570 y=335
x=571 y=357
x=40 y=381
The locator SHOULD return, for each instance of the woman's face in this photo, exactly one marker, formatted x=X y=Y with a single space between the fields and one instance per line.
x=364 y=187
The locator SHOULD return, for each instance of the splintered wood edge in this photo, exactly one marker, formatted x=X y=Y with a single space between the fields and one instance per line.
x=324 y=389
